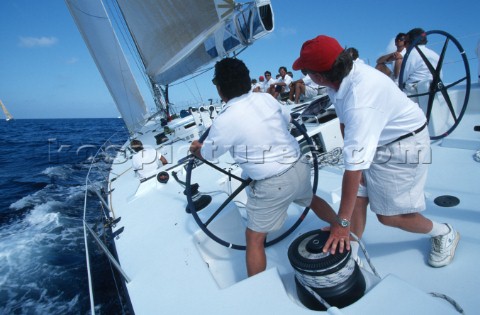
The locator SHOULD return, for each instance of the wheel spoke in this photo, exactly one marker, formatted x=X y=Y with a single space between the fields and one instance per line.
x=221 y=170
x=455 y=83
x=431 y=98
x=449 y=103
x=427 y=62
x=244 y=184
x=419 y=94
x=456 y=105
x=442 y=56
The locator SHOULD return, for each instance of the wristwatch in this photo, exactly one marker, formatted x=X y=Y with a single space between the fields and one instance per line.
x=343 y=222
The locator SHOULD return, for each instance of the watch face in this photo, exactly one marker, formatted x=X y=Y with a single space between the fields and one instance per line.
x=343 y=222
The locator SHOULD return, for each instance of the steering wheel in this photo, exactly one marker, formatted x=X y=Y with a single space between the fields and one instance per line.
x=244 y=183
x=438 y=86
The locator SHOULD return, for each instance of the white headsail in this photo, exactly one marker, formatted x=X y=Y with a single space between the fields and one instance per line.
x=95 y=26
x=8 y=116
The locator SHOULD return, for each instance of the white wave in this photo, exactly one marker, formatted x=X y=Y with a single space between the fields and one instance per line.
x=28 y=201
x=75 y=192
x=49 y=195
x=32 y=253
x=32 y=200
x=41 y=216
x=61 y=172
x=43 y=303
x=22 y=203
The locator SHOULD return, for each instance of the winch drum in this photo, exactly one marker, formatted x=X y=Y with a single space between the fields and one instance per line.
x=335 y=278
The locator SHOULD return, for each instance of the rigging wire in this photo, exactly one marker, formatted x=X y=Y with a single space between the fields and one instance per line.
x=460 y=39
x=127 y=38
x=191 y=93
x=194 y=75
x=198 y=91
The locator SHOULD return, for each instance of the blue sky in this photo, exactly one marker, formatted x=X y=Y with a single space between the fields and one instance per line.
x=47 y=72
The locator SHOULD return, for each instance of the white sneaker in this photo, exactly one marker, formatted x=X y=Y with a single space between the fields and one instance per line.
x=289 y=102
x=443 y=248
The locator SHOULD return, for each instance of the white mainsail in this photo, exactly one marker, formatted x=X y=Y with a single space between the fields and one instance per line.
x=94 y=24
x=8 y=116
x=175 y=38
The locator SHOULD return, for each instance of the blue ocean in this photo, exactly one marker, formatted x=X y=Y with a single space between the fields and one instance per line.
x=43 y=268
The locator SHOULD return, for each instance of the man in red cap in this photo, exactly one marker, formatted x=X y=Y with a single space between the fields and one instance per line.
x=260 y=85
x=386 y=149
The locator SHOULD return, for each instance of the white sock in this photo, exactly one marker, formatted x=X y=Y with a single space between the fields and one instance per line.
x=439 y=229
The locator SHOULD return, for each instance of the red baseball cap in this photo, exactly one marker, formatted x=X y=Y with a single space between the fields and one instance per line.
x=318 y=54
x=261 y=78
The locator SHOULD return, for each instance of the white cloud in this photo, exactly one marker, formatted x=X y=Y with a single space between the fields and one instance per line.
x=281 y=32
x=72 y=60
x=285 y=31
x=37 y=41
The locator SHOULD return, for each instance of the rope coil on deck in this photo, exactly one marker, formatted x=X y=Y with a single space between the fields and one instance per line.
x=329 y=280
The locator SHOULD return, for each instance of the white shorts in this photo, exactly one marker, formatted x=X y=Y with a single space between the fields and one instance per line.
x=310 y=92
x=269 y=199
x=396 y=179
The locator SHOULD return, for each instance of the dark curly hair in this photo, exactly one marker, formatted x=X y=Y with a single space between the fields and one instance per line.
x=136 y=145
x=353 y=52
x=232 y=77
x=400 y=36
x=415 y=33
x=341 y=67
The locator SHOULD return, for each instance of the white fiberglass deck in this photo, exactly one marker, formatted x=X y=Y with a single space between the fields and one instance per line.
x=175 y=268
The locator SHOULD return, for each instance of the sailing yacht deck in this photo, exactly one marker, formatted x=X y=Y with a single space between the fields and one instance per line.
x=174 y=266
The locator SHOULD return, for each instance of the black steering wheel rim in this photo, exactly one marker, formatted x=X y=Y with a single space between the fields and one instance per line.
x=204 y=227
x=437 y=85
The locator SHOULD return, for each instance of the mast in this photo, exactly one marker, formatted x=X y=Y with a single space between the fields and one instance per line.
x=8 y=116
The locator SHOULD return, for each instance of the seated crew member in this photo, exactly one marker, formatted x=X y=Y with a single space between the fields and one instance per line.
x=260 y=86
x=395 y=58
x=146 y=159
x=282 y=85
x=305 y=87
x=268 y=81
